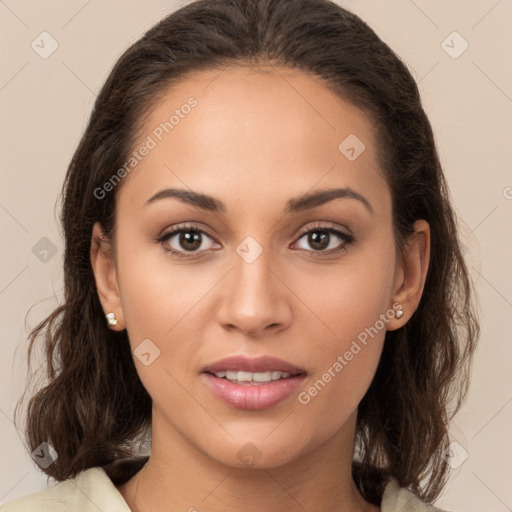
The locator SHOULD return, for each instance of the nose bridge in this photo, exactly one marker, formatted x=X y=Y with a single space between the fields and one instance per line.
x=253 y=298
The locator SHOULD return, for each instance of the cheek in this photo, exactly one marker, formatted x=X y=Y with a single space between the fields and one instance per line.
x=345 y=364
x=348 y=326
x=157 y=293
x=161 y=302
x=348 y=298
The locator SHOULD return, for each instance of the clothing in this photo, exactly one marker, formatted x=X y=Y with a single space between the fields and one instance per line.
x=92 y=490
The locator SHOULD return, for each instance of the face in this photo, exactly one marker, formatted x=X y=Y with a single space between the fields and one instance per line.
x=254 y=271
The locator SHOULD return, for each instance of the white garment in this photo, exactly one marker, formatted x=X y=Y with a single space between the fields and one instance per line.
x=92 y=490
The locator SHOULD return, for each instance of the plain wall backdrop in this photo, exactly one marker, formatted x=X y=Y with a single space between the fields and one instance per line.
x=56 y=55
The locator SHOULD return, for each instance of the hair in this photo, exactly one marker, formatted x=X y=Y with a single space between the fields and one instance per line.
x=93 y=407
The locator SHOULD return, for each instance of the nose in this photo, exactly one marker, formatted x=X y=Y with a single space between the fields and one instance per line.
x=255 y=300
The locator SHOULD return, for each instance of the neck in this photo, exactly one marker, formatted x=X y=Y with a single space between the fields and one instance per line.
x=178 y=477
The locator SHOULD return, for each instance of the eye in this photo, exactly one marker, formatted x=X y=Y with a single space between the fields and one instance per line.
x=322 y=239
x=188 y=240
x=184 y=239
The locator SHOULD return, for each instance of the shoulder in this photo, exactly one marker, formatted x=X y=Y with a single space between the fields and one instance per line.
x=90 y=491
x=400 y=499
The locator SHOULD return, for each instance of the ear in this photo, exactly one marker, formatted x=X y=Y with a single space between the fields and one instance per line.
x=411 y=273
x=105 y=275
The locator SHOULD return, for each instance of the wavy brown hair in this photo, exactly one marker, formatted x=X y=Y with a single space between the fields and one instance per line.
x=93 y=408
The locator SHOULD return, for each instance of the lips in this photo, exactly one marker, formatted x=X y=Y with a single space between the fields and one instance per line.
x=261 y=364
x=253 y=383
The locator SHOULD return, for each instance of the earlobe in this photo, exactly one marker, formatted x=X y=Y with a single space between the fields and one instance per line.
x=105 y=275
x=412 y=274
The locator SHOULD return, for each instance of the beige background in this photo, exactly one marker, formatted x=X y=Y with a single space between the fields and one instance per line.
x=45 y=104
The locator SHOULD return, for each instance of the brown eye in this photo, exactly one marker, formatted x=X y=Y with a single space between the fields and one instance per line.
x=185 y=239
x=319 y=239
x=189 y=240
x=322 y=239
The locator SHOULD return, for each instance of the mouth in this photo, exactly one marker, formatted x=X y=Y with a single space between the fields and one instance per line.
x=253 y=378
x=254 y=365
x=253 y=383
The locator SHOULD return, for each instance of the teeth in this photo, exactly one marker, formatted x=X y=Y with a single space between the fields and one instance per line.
x=253 y=377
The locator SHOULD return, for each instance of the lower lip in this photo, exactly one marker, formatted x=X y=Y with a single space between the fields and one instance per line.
x=253 y=397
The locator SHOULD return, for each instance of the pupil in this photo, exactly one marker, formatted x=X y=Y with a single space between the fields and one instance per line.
x=190 y=237
x=319 y=239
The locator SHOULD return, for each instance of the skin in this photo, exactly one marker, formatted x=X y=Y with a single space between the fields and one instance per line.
x=258 y=137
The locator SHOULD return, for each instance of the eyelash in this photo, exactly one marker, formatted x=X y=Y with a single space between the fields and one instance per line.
x=347 y=239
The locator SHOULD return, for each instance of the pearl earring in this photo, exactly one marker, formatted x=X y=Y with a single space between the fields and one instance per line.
x=111 y=319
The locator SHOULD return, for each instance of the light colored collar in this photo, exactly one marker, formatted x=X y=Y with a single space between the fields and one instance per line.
x=92 y=490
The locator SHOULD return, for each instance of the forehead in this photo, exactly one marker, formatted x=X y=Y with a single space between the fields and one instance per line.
x=273 y=131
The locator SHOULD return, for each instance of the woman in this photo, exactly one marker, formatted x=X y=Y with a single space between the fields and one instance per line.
x=262 y=276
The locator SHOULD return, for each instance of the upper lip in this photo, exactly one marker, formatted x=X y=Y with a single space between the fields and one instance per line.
x=252 y=364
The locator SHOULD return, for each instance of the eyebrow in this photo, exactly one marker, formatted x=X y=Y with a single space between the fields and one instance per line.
x=296 y=204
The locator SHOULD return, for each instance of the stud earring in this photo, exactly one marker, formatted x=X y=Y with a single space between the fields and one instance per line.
x=399 y=313
x=111 y=319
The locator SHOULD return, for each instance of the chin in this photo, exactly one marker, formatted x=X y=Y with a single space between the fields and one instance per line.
x=265 y=449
